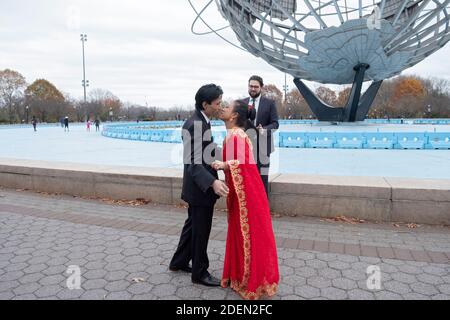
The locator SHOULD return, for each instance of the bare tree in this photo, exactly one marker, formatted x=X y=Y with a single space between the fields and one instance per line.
x=102 y=103
x=12 y=84
x=327 y=95
x=296 y=106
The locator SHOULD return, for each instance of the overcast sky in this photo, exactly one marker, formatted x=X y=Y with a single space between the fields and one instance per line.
x=142 y=51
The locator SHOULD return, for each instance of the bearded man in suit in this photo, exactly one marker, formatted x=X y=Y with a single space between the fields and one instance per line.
x=265 y=124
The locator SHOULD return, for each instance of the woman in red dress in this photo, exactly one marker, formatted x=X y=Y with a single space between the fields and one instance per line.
x=251 y=262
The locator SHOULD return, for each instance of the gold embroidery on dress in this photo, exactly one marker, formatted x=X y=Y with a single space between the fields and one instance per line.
x=242 y=286
x=241 y=133
x=239 y=188
x=265 y=289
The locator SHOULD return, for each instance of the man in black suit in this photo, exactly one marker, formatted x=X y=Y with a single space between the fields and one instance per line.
x=201 y=187
x=266 y=123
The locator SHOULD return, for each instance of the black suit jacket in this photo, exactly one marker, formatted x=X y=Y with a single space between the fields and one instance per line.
x=267 y=116
x=198 y=175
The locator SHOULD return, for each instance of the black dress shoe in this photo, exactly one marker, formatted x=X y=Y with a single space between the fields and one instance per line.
x=185 y=269
x=208 y=280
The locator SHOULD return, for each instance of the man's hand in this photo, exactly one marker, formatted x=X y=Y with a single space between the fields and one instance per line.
x=218 y=165
x=261 y=129
x=220 y=188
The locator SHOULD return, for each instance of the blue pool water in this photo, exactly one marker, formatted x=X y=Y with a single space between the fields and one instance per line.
x=79 y=146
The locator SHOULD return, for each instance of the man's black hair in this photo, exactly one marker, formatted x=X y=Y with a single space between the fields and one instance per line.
x=207 y=93
x=257 y=78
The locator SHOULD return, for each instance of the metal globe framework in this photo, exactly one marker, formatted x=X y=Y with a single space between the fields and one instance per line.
x=337 y=41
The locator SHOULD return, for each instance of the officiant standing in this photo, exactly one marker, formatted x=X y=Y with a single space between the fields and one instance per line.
x=265 y=123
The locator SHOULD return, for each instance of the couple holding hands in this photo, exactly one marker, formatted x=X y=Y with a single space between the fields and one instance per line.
x=251 y=262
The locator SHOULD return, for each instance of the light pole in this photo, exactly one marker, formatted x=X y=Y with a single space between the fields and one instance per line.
x=285 y=88
x=84 y=82
x=110 y=114
x=26 y=108
x=429 y=110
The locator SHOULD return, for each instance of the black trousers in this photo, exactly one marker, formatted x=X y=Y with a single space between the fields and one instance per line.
x=263 y=166
x=193 y=242
x=265 y=180
x=264 y=173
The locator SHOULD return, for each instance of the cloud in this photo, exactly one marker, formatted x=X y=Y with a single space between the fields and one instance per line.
x=142 y=51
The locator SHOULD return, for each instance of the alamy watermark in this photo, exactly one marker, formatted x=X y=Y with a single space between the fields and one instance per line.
x=73 y=282
x=374 y=277
x=374 y=20
x=201 y=148
x=73 y=18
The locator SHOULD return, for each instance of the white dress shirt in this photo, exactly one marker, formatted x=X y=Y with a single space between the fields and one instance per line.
x=205 y=116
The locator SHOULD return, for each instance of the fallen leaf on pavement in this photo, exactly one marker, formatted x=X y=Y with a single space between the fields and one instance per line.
x=137 y=202
x=143 y=201
x=345 y=219
x=49 y=193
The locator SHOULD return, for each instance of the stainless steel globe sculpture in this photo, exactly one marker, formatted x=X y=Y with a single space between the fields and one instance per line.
x=338 y=41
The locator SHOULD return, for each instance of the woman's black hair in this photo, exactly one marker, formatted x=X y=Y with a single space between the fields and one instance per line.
x=246 y=115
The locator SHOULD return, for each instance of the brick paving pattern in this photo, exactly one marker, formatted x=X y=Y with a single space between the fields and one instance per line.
x=123 y=253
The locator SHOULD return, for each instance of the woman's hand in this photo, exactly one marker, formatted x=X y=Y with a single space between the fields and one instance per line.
x=218 y=165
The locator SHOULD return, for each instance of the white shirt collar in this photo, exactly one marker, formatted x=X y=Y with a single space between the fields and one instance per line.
x=256 y=100
x=205 y=116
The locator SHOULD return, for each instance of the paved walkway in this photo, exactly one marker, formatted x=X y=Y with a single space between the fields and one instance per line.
x=123 y=252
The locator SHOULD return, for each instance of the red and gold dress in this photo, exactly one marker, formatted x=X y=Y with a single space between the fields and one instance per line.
x=251 y=262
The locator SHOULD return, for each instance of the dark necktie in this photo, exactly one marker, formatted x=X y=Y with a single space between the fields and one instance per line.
x=253 y=107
